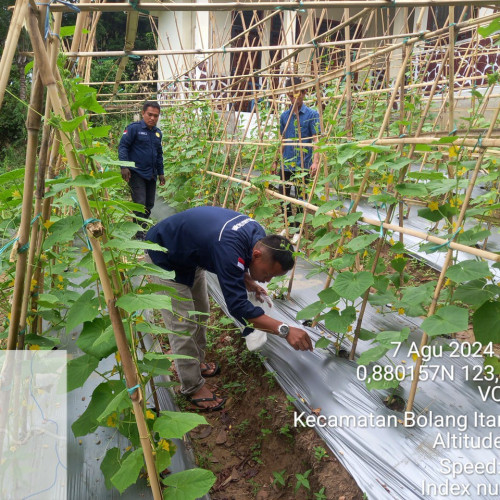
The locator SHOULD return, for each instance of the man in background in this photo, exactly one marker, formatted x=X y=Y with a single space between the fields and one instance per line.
x=141 y=143
x=298 y=124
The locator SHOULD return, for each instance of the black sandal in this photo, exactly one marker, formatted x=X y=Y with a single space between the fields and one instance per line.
x=216 y=369
x=198 y=407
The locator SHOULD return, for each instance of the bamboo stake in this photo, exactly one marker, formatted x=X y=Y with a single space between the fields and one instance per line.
x=10 y=44
x=95 y=231
x=33 y=126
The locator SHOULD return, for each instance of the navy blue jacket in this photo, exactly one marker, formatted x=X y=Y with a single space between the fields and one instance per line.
x=216 y=239
x=142 y=146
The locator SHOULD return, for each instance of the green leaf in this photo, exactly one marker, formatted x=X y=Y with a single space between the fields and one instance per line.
x=156 y=364
x=346 y=220
x=421 y=294
x=486 y=324
x=371 y=355
x=71 y=125
x=263 y=212
x=120 y=244
x=95 y=133
x=422 y=147
x=494 y=362
x=188 y=484
x=329 y=206
x=129 y=471
x=382 y=198
x=133 y=302
x=321 y=220
x=95 y=339
x=326 y=240
x=48 y=300
x=432 y=215
x=366 y=335
x=28 y=67
x=85 y=97
x=43 y=342
x=67 y=31
x=399 y=264
x=110 y=465
x=63 y=231
x=388 y=337
x=12 y=175
x=388 y=381
x=351 y=285
x=468 y=270
x=357 y=244
x=491 y=29
x=382 y=298
x=329 y=296
x=150 y=270
x=84 y=309
x=79 y=370
x=448 y=319
x=407 y=189
x=119 y=403
x=322 y=343
x=446 y=140
x=173 y=424
x=311 y=311
x=380 y=283
x=339 y=321
x=101 y=397
x=472 y=236
x=104 y=160
x=474 y=293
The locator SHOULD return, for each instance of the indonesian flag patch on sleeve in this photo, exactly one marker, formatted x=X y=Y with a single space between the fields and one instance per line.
x=125 y=131
x=241 y=263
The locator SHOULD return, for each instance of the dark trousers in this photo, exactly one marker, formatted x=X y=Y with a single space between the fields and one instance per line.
x=299 y=193
x=143 y=192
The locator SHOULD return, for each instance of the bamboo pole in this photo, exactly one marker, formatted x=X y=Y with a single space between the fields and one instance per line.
x=36 y=242
x=10 y=44
x=241 y=6
x=20 y=247
x=95 y=231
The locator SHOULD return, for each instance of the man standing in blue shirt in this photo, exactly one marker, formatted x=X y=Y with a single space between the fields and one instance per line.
x=141 y=143
x=235 y=248
x=298 y=159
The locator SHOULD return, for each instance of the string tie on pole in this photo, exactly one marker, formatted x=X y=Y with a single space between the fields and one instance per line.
x=445 y=244
x=135 y=6
x=131 y=390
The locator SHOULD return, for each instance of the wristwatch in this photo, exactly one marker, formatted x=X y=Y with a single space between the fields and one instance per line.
x=283 y=330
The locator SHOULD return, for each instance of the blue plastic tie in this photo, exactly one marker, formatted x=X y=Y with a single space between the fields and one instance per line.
x=24 y=248
x=131 y=390
x=135 y=6
x=22 y=332
x=8 y=245
x=445 y=244
x=85 y=222
x=298 y=8
x=350 y=207
x=479 y=142
x=89 y=221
